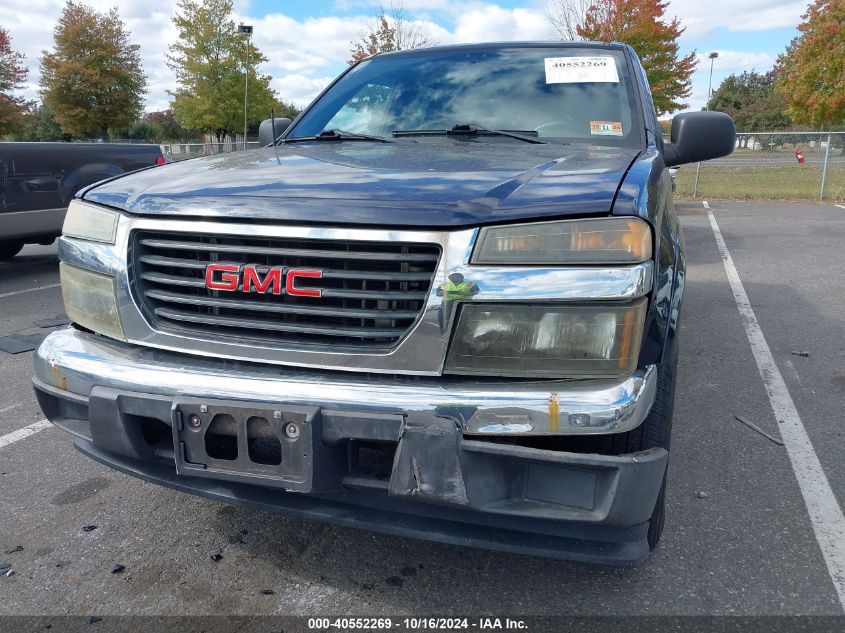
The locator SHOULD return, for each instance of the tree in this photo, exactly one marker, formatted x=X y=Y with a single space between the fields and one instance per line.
x=392 y=31
x=157 y=127
x=12 y=75
x=92 y=81
x=39 y=124
x=566 y=16
x=640 y=24
x=286 y=109
x=751 y=100
x=812 y=69
x=209 y=59
x=165 y=127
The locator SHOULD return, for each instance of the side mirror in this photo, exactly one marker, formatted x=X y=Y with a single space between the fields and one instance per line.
x=700 y=136
x=265 y=131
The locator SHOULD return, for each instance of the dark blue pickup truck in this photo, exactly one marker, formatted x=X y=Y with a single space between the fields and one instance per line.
x=441 y=303
x=38 y=181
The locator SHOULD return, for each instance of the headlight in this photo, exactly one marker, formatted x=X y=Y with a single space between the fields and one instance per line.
x=90 y=222
x=594 y=340
x=593 y=241
x=90 y=300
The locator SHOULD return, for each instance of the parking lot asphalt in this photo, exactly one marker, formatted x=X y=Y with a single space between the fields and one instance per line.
x=739 y=538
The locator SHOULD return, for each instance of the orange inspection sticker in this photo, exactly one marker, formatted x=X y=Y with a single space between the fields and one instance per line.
x=606 y=128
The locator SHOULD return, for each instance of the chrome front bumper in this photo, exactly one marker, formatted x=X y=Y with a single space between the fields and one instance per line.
x=72 y=363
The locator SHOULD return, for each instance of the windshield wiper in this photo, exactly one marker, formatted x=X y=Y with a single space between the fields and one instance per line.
x=472 y=129
x=339 y=135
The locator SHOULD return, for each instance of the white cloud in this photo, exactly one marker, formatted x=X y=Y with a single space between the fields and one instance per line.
x=738 y=61
x=493 y=23
x=701 y=18
x=300 y=89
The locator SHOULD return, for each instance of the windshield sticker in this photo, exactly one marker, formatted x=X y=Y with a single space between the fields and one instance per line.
x=606 y=128
x=576 y=70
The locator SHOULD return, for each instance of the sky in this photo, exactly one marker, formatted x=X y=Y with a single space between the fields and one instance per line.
x=308 y=42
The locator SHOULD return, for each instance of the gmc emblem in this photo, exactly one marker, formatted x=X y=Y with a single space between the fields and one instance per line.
x=233 y=277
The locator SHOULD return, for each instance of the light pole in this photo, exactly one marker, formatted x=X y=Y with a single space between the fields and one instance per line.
x=246 y=29
x=712 y=56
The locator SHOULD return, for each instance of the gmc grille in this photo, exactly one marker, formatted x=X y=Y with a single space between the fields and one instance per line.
x=372 y=292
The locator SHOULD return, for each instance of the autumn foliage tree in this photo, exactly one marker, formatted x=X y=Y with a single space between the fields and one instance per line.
x=12 y=75
x=640 y=23
x=92 y=80
x=812 y=69
x=209 y=60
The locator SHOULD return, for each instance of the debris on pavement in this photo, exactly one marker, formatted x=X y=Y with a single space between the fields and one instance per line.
x=804 y=354
x=216 y=557
x=89 y=528
x=56 y=321
x=701 y=494
x=4 y=567
x=754 y=427
x=17 y=343
x=17 y=548
x=267 y=592
x=10 y=573
x=94 y=619
x=117 y=568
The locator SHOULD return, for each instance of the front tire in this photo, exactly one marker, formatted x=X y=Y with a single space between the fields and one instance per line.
x=9 y=248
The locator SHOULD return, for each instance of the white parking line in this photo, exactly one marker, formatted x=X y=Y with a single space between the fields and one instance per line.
x=20 y=292
x=825 y=513
x=12 y=406
x=706 y=204
x=841 y=206
x=32 y=429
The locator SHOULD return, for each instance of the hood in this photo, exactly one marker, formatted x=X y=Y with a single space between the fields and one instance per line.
x=435 y=183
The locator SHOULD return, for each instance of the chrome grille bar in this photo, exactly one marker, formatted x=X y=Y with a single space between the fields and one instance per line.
x=289 y=252
x=172 y=297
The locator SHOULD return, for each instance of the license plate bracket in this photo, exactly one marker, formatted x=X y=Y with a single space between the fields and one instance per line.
x=271 y=445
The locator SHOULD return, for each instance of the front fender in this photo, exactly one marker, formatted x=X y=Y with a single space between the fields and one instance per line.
x=646 y=192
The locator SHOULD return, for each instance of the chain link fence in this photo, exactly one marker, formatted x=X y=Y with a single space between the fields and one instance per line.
x=191 y=148
x=771 y=166
x=184 y=151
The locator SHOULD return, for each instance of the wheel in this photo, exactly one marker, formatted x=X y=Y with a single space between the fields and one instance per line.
x=9 y=248
x=655 y=432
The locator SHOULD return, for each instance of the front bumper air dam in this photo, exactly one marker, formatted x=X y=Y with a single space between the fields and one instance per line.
x=445 y=485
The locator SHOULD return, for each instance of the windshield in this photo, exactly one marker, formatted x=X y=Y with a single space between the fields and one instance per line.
x=565 y=94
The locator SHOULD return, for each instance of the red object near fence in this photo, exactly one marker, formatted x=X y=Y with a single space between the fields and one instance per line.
x=799 y=155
